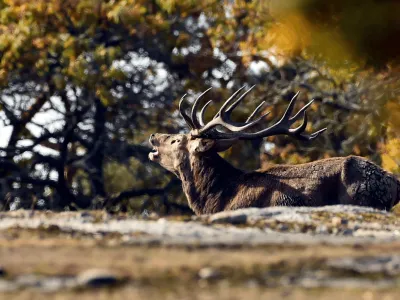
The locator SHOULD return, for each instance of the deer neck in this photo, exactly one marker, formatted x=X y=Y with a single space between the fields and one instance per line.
x=208 y=182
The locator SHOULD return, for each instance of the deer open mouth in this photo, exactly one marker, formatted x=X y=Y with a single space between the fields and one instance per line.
x=154 y=150
x=153 y=154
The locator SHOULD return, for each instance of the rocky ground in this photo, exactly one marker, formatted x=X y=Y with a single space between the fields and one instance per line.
x=281 y=252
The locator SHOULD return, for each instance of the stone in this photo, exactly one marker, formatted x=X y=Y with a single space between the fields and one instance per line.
x=322 y=229
x=300 y=226
x=56 y=283
x=85 y=214
x=29 y=280
x=228 y=217
x=336 y=221
x=208 y=273
x=387 y=264
x=347 y=232
x=282 y=227
x=97 y=278
x=7 y=286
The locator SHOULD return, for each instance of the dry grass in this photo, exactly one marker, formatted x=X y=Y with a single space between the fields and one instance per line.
x=171 y=273
x=205 y=292
x=67 y=256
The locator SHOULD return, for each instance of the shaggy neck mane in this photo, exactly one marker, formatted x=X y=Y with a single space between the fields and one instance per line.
x=207 y=180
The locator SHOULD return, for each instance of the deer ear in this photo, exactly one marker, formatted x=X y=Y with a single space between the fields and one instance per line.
x=223 y=145
x=203 y=145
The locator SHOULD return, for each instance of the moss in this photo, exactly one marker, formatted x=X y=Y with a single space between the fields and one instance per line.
x=396 y=209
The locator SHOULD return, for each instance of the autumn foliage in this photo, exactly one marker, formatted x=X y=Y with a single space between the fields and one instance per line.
x=84 y=82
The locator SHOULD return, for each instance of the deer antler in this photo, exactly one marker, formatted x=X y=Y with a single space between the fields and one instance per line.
x=237 y=130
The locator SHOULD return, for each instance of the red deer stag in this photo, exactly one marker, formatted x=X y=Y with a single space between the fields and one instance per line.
x=211 y=184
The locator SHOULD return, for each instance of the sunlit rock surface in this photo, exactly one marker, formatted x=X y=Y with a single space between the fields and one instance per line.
x=252 y=226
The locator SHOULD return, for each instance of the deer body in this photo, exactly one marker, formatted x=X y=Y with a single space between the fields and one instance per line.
x=211 y=184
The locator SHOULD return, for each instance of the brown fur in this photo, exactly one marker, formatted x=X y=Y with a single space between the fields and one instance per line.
x=211 y=184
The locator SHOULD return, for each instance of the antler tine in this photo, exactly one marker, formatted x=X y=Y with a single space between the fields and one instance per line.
x=305 y=137
x=237 y=102
x=201 y=118
x=183 y=113
x=197 y=122
x=303 y=109
x=299 y=130
x=255 y=111
x=222 y=109
x=302 y=127
x=251 y=124
x=290 y=107
x=219 y=116
x=226 y=103
x=316 y=134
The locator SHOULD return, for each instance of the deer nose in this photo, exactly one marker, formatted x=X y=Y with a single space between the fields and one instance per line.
x=152 y=138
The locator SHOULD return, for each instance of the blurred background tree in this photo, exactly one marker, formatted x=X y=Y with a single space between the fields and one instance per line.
x=83 y=83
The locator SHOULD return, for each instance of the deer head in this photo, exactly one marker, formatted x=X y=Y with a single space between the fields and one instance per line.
x=173 y=151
